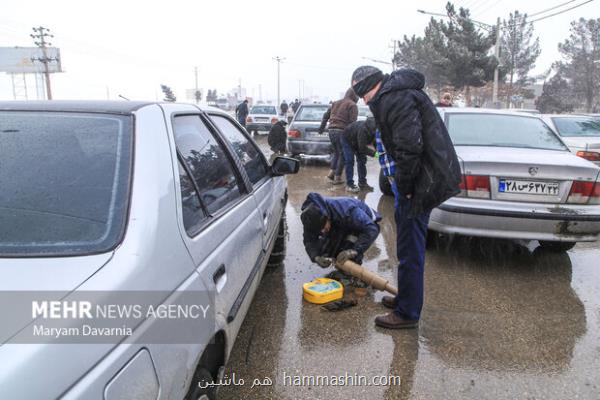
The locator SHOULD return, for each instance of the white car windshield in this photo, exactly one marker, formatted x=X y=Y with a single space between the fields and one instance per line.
x=479 y=129
x=577 y=126
x=311 y=113
x=263 y=110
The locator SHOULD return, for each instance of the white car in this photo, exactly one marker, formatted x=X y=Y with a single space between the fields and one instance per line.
x=580 y=132
x=261 y=118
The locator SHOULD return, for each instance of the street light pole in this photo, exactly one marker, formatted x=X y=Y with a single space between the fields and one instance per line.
x=497 y=55
x=279 y=60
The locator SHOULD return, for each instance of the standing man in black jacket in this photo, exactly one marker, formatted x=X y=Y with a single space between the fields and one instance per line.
x=241 y=112
x=427 y=174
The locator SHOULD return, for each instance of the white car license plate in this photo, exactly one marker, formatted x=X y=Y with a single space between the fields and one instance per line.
x=261 y=119
x=528 y=187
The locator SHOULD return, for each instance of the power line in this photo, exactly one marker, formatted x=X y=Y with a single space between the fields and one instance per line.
x=561 y=12
x=551 y=8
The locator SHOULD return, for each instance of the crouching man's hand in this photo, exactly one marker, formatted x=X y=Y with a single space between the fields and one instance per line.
x=323 y=262
x=346 y=255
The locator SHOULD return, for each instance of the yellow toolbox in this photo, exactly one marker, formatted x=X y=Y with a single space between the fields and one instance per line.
x=323 y=290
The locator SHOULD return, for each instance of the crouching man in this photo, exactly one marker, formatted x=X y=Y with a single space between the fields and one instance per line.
x=337 y=226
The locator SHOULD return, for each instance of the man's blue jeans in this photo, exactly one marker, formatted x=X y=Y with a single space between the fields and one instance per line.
x=361 y=164
x=411 y=237
x=337 y=158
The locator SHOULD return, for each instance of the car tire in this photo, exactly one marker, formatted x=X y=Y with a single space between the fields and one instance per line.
x=384 y=184
x=201 y=376
x=278 y=254
x=557 y=246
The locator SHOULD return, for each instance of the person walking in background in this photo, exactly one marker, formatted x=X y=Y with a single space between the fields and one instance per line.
x=295 y=106
x=241 y=112
x=356 y=141
x=445 y=100
x=283 y=108
x=341 y=114
x=426 y=174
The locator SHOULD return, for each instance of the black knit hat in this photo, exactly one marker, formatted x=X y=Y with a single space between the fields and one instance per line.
x=312 y=218
x=365 y=78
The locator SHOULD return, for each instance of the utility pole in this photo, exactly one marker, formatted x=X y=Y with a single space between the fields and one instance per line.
x=39 y=38
x=279 y=60
x=497 y=55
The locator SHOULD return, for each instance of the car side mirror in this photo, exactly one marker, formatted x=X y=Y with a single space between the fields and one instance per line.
x=284 y=166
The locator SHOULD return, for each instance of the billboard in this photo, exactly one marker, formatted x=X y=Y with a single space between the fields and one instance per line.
x=21 y=60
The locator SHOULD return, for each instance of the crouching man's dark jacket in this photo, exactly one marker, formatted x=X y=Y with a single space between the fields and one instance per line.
x=416 y=138
x=360 y=135
x=348 y=216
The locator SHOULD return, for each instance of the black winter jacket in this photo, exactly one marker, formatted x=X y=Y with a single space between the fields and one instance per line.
x=360 y=135
x=277 y=137
x=417 y=140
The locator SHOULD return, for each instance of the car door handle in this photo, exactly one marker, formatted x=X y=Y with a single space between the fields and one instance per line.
x=219 y=273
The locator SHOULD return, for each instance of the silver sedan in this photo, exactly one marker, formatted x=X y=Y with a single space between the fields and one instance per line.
x=519 y=181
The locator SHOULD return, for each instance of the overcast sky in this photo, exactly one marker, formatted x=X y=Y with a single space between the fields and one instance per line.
x=129 y=47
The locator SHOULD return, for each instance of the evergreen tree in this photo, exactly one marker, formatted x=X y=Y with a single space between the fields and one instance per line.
x=467 y=51
x=580 y=51
x=517 y=53
x=556 y=95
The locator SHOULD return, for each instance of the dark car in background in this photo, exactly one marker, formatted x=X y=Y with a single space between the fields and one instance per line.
x=303 y=131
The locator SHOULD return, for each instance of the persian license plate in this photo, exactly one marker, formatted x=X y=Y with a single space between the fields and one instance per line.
x=262 y=119
x=528 y=187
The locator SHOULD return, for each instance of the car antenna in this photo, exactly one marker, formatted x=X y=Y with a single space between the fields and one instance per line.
x=123 y=97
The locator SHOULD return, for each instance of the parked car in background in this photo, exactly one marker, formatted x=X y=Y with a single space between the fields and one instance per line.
x=520 y=181
x=303 y=131
x=131 y=197
x=261 y=118
x=363 y=113
x=580 y=132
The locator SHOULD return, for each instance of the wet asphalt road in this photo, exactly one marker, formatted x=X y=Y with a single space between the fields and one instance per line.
x=501 y=320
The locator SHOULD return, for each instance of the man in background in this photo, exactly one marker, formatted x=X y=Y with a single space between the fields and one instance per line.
x=357 y=140
x=241 y=112
x=445 y=100
x=341 y=114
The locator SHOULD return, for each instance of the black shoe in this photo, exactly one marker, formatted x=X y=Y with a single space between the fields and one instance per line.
x=366 y=187
x=393 y=321
x=388 y=301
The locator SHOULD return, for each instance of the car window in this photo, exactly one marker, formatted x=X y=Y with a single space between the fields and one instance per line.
x=263 y=110
x=247 y=152
x=193 y=214
x=501 y=131
x=364 y=112
x=207 y=161
x=64 y=182
x=311 y=113
x=577 y=126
